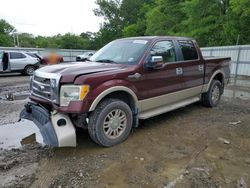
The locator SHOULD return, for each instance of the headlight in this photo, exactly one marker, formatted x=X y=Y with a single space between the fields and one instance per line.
x=72 y=93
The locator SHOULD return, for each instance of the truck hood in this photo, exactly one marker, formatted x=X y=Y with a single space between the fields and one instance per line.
x=69 y=71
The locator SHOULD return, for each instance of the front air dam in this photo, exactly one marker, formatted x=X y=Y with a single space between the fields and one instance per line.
x=56 y=128
x=64 y=129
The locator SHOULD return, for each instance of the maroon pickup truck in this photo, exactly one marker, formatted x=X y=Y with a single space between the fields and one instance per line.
x=127 y=80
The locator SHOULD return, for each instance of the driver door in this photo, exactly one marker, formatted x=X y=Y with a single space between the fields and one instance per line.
x=164 y=83
x=5 y=63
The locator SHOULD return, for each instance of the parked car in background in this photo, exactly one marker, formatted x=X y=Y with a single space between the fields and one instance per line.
x=85 y=56
x=127 y=80
x=17 y=61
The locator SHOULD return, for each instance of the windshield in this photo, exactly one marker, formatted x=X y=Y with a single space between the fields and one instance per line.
x=121 y=51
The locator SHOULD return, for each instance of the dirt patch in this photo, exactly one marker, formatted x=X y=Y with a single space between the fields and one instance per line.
x=177 y=149
x=10 y=111
x=18 y=86
x=18 y=167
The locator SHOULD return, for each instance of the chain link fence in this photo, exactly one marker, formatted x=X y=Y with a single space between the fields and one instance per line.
x=240 y=56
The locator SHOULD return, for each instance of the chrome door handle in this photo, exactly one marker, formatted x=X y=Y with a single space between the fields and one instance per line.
x=134 y=76
x=200 y=67
x=179 y=71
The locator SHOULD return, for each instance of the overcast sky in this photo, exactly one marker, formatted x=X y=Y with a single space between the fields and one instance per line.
x=50 y=17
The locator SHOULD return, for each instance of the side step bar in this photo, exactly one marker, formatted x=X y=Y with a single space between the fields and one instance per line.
x=167 y=108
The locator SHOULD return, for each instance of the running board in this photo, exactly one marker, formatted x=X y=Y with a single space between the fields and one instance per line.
x=167 y=108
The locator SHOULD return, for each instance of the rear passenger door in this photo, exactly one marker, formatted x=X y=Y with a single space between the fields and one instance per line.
x=192 y=67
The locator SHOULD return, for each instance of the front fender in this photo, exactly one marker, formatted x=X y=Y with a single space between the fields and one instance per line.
x=112 y=86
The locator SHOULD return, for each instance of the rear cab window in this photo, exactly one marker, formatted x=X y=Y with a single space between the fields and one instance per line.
x=188 y=49
x=16 y=55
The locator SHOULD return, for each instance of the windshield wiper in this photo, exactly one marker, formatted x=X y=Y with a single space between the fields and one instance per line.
x=106 y=61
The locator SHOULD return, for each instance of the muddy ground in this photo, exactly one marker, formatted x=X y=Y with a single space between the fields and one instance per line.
x=190 y=147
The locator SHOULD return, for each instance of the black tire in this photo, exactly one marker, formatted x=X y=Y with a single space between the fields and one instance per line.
x=208 y=99
x=29 y=70
x=98 y=117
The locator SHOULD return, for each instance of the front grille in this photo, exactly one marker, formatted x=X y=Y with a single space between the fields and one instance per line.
x=41 y=87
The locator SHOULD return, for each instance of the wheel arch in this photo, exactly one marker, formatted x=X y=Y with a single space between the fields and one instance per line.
x=120 y=92
x=218 y=75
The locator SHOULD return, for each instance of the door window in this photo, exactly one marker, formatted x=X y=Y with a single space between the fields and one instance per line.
x=188 y=50
x=16 y=55
x=1 y=56
x=165 y=49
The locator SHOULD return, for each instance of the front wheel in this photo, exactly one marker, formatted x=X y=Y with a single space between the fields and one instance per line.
x=110 y=123
x=213 y=96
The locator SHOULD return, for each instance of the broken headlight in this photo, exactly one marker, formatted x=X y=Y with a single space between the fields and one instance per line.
x=72 y=93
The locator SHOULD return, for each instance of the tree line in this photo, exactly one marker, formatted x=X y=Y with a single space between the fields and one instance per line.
x=211 y=23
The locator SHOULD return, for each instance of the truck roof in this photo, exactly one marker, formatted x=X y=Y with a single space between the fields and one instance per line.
x=8 y=51
x=157 y=37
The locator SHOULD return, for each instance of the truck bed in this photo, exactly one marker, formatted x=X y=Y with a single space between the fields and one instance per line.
x=216 y=58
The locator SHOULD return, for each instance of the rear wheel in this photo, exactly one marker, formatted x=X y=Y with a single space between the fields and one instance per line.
x=29 y=70
x=110 y=123
x=213 y=96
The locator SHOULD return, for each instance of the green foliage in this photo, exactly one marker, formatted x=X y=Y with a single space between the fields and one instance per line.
x=26 y=40
x=131 y=30
x=113 y=25
x=165 y=18
x=241 y=22
x=138 y=28
x=6 y=33
x=204 y=22
x=214 y=22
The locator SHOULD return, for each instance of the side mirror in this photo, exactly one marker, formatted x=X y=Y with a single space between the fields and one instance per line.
x=154 y=62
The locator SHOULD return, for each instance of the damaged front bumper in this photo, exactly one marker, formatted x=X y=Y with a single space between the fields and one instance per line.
x=56 y=128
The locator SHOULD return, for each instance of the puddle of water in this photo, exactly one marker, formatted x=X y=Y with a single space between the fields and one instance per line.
x=11 y=135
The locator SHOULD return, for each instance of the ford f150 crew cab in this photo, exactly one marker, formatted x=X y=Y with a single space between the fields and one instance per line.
x=126 y=80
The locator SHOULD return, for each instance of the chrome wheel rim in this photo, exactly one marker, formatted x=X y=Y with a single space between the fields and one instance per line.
x=215 y=94
x=115 y=123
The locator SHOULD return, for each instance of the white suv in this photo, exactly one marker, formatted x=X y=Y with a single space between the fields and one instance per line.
x=17 y=61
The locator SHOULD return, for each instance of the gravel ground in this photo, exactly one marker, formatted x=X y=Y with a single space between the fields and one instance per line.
x=190 y=147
